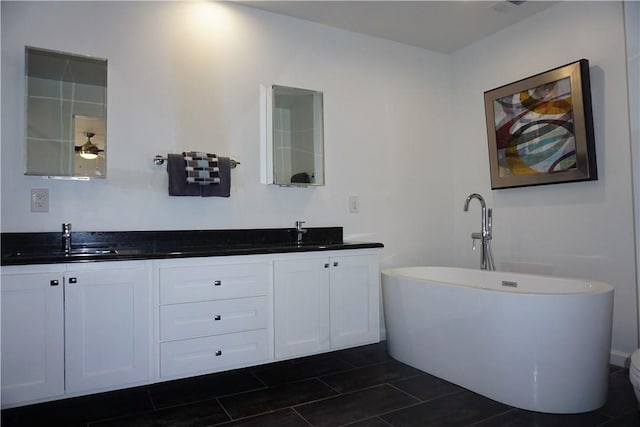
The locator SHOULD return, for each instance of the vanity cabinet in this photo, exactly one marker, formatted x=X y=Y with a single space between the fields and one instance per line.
x=79 y=328
x=213 y=317
x=325 y=304
x=107 y=311
x=73 y=331
x=32 y=335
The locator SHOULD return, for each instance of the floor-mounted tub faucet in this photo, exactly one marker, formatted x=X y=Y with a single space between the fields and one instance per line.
x=486 y=258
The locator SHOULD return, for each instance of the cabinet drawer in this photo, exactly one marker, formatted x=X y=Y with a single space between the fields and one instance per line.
x=211 y=354
x=197 y=319
x=211 y=282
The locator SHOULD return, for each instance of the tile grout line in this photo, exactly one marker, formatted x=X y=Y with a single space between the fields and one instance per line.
x=301 y=416
x=225 y=411
x=509 y=409
x=427 y=400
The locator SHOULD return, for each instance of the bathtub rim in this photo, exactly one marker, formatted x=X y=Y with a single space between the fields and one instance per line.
x=588 y=287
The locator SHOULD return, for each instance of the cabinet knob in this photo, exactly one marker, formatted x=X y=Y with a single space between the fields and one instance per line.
x=218 y=352
x=335 y=263
x=217 y=317
x=326 y=265
x=73 y=280
x=54 y=283
x=217 y=283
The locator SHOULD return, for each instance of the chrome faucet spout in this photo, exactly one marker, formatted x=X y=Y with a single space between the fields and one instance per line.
x=474 y=196
x=299 y=231
x=66 y=238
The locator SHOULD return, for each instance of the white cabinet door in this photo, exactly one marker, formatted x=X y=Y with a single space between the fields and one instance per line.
x=32 y=337
x=108 y=329
x=325 y=304
x=301 y=307
x=355 y=307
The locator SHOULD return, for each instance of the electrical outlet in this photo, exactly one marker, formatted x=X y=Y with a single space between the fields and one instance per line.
x=39 y=200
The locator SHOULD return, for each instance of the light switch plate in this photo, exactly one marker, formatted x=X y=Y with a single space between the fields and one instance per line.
x=354 y=204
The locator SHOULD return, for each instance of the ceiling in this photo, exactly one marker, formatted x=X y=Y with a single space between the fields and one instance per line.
x=441 y=26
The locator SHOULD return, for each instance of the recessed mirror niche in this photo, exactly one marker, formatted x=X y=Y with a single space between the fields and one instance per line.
x=66 y=115
x=294 y=137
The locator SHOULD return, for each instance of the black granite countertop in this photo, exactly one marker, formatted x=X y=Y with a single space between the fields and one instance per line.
x=93 y=246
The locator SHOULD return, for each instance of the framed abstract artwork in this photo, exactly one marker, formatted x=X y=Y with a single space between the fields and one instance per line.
x=540 y=129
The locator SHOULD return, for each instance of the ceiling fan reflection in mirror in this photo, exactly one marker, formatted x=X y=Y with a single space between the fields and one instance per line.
x=88 y=150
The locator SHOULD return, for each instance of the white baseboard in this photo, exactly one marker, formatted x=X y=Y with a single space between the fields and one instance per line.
x=619 y=358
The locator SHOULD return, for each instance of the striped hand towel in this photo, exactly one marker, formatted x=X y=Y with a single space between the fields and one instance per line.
x=199 y=155
x=201 y=168
x=201 y=165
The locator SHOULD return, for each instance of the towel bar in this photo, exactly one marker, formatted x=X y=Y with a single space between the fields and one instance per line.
x=159 y=160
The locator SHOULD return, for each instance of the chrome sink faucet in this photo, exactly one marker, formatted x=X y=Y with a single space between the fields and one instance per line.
x=66 y=238
x=299 y=231
x=485 y=235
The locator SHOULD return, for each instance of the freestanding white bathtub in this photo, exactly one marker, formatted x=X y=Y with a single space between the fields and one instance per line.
x=534 y=342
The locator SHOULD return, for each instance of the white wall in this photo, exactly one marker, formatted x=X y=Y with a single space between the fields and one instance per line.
x=186 y=76
x=573 y=229
x=404 y=131
x=632 y=30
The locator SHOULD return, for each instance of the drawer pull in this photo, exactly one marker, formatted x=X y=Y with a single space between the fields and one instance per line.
x=326 y=265
x=335 y=263
x=217 y=317
x=218 y=352
x=73 y=280
x=54 y=283
x=217 y=283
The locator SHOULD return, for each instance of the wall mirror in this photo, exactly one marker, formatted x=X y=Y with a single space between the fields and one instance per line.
x=295 y=137
x=66 y=115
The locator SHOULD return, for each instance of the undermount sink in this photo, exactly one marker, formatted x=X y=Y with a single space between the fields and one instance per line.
x=93 y=251
x=60 y=253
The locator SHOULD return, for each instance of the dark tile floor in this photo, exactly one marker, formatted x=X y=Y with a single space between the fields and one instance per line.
x=356 y=387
